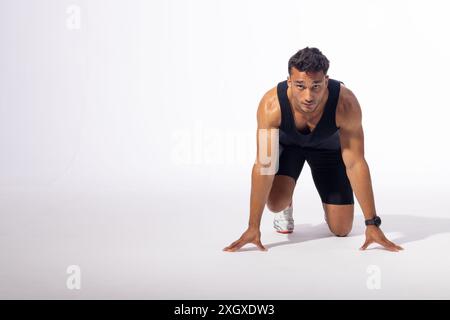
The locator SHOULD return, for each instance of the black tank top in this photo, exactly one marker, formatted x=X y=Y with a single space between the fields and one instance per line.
x=325 y=135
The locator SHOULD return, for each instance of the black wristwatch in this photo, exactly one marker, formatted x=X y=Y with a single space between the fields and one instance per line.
x=376 y=221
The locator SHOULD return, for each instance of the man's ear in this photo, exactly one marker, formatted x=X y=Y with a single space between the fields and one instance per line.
x=289 y=81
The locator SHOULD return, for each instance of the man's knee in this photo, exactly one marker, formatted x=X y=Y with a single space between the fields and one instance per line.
x=341 y=230
x=339 y=218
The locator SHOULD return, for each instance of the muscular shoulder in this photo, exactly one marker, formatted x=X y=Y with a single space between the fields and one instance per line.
x=269 y=114
x=348 y=112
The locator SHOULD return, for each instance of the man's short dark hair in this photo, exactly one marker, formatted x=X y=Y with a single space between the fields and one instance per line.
x=309 y=60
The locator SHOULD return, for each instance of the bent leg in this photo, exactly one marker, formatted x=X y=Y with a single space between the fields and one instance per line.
x=291 y=162
x=280 y=196
x=339 y=218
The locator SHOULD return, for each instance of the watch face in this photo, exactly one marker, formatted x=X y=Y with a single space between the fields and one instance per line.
x=377 y=221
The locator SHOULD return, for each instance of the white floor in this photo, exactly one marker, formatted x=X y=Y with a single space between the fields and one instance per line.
x=135 y=244
x=127 y=134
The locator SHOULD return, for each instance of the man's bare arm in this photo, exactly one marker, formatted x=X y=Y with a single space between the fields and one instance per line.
x=262 y=173
x=352 y=147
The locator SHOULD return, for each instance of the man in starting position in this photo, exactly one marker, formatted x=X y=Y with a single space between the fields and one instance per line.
x=318 y=120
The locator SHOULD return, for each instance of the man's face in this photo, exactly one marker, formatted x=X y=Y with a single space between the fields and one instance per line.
x=307 y=88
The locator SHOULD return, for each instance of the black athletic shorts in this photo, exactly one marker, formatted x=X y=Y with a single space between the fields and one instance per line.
x=327 y=169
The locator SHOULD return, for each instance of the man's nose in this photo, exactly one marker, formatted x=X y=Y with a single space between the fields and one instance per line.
x=308 y=96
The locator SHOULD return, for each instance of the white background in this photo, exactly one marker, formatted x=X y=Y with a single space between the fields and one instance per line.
x=127 y=145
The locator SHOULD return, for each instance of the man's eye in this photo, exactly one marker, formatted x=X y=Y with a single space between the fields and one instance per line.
x=301 y=87
x=316 y=86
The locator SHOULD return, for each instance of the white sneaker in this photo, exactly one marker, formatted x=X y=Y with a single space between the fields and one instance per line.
x=283 y=222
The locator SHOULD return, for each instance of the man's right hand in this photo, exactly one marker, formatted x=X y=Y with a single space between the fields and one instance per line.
x=251 y=235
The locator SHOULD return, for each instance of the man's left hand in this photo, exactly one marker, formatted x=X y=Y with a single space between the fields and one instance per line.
x=375 y=235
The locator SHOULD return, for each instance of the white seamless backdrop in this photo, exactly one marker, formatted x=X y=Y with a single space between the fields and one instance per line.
x=128 y=133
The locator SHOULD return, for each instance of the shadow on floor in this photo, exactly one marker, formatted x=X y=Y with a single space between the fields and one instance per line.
x=413 y=228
